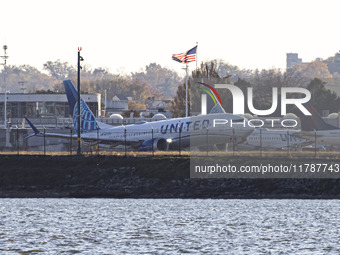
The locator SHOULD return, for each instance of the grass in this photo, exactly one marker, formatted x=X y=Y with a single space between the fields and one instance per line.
x=229 y=154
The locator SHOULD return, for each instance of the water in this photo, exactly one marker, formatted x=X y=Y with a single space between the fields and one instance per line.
x=169 y=226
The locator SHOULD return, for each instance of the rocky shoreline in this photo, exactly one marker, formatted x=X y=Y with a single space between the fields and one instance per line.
x=140 y=177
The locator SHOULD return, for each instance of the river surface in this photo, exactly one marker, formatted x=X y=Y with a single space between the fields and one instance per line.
x=169 y=226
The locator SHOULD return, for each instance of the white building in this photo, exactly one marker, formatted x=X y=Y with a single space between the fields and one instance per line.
x=117 y=105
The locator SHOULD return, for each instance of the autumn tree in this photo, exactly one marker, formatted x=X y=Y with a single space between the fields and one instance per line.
x=315 y=69
x=223 y=69
x=127 y=113
x=207 y=73
x=31 y=77
x=322 y=98
x=159 y=79
x=263 y=81
x=178 y=104
x=133 y=106
x=333 y=64
x=59 y=69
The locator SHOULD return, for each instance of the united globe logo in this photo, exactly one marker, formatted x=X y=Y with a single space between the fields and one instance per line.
x=87 y=120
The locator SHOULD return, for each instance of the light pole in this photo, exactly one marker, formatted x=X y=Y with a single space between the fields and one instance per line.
x=260 y=142
x=315 y=143
x=125 y=149
x=207 y=139
x=80 y=58
x=105 y=95
x=288 y=143
x=5 y=57
x=186 y=89
x=153 y=152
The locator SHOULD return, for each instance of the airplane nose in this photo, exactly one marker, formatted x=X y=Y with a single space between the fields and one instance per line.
x=247 y=130
x=247 y=127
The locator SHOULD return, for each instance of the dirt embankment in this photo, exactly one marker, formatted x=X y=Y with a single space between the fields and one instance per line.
x=160 y=177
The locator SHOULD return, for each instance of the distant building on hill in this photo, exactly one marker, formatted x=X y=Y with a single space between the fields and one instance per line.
x=293 y=59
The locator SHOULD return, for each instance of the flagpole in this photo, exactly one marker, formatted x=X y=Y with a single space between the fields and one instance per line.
x=186 y=90
x=186 y=57
x=196 y=57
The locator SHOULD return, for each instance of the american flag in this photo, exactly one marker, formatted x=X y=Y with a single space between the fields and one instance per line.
x=186 y=57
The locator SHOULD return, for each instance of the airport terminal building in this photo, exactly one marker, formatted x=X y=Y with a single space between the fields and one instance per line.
x=42 y=105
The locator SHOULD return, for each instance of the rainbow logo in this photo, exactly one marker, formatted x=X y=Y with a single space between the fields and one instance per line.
x=214 y=93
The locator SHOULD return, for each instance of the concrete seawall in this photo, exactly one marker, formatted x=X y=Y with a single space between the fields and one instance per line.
x=134 y=177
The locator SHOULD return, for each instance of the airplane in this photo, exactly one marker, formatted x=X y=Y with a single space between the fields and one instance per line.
x=274 y=139
x=315 y=128
x=148 y=136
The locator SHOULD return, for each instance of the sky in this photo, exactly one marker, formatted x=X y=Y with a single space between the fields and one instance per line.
x=126 y=35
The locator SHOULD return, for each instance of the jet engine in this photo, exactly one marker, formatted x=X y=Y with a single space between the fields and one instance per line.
x=156 y=144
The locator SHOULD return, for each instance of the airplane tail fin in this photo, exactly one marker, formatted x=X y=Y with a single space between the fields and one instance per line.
x=87 y=120
x=35 y=130
x=313 y=122
x=217 y=108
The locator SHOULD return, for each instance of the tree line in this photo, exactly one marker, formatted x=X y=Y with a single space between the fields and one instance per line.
x=313 y=76
x=155 y=81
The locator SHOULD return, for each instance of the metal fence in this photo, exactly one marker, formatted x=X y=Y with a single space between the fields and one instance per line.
x=178 y=142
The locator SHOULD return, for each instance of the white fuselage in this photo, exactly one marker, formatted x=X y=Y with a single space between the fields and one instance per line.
x=274 y=138
x=192 y=130
x=330 y=137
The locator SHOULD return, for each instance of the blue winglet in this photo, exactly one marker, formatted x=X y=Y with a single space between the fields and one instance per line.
x=36 y=131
